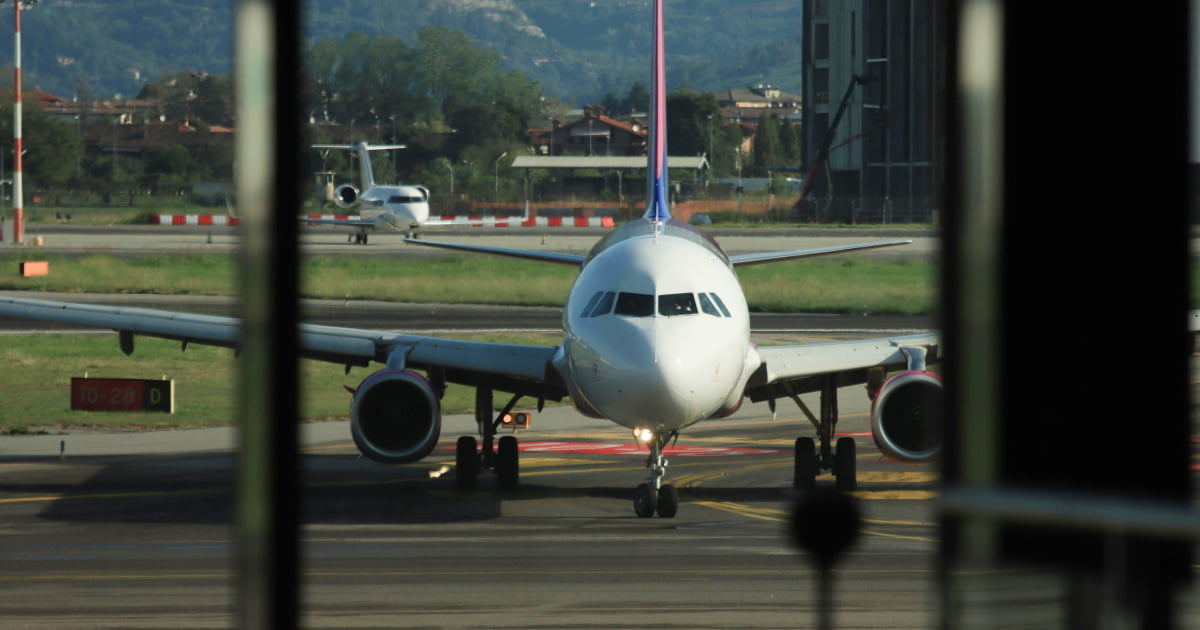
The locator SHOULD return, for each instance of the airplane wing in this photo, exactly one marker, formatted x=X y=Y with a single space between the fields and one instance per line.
x=509 y=367
x=797 y=368
x=769 y=257
x=341 y=222
x=737 y=260
x=554 y=257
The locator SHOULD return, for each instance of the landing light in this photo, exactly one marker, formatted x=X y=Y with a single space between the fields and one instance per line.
x=643 y=435
x=516 y=420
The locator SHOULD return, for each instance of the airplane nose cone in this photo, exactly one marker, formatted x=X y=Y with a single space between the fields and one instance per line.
x=664 y=374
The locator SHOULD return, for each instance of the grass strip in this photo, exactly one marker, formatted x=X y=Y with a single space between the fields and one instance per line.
x=848 y=285
x=37 y=372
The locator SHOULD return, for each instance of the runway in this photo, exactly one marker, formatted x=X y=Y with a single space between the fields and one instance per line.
x=134 y=529
x=129 y=529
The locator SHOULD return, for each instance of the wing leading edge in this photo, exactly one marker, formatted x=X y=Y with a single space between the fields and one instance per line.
x=511 y=367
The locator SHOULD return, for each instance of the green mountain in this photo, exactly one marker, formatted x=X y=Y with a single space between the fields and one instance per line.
x=578 y=50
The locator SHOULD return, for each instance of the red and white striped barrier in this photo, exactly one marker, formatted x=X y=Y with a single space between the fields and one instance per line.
x=193 y=219
x=603 y=222
x=221 y=219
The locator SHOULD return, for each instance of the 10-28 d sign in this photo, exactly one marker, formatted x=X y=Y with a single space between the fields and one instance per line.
x=122 y=394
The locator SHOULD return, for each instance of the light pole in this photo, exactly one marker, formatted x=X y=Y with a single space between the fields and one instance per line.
x=395 y=171
x=114 y=151
x=497 y=179
x=18 y=235
x=78 y=160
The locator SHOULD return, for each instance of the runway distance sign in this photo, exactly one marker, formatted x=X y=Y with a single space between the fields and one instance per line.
x=122 y=394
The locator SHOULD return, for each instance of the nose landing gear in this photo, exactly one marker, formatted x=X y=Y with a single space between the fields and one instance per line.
x=653 y=495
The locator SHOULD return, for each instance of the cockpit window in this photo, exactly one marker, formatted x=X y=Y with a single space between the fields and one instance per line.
x=604 y=305
x=635 y=304
x=599 y=304
x=677 y=304
x=404 y=199
x=587 y=309
x=707 y=305
x=721 y=305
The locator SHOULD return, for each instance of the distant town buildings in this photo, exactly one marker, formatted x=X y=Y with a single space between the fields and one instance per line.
x=593 y=134
x=750 y=104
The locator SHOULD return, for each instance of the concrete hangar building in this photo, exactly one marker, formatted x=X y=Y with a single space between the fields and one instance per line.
x=884 y=154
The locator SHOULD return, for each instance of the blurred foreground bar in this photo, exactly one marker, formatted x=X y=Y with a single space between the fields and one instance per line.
x=1066 y=295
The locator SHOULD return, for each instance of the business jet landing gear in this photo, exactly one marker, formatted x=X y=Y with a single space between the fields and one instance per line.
x=470 y=460
x=812 y=459
x=653 y=495
x=359 y=237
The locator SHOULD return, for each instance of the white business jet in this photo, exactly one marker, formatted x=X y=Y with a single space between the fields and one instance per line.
x=389 y=208
x=657 y=338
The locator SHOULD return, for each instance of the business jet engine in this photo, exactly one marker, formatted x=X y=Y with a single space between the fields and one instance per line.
x=395 y=417
x=907 y=414
x=345 y=196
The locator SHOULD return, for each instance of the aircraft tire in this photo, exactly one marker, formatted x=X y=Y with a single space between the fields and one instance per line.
x=645 y=501
x=845 y=465
x=668 y=501
x=466 y=463
x=508 y=463
x=804 y=474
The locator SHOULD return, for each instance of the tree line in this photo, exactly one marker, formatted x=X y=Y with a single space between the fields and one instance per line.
x=383 y=89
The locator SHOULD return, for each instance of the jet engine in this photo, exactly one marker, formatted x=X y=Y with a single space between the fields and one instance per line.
x=906 y=416
x=345 y=196
x=395 y=417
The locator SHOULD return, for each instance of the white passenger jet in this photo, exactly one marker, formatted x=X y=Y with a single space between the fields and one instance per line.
x=390 y=208
x=657 y=338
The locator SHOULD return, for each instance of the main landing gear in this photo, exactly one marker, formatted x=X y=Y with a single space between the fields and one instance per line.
x=359 y=237
x=500 y=455
x=816 y=456
x=653 y=495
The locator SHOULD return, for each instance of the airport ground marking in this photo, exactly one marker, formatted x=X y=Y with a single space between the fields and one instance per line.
x=434 y=573
x=777 y=515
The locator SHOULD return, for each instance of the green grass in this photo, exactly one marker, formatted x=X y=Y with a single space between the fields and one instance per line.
x=39 y=368
x=847 y=285
x=37 y=372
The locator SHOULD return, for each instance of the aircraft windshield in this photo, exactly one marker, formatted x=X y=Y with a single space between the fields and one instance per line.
x=643 y=305
x=677 y=304
x=635 y=305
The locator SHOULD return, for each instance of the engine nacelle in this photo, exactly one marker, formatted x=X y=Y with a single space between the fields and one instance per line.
x=345 y=196
x=907 y=415
x=395 y=417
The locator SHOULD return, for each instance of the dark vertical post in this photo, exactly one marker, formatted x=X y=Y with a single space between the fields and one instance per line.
x=267 y=150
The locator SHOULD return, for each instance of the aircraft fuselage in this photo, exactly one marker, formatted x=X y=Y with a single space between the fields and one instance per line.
x=657 y=330
x=395 y=208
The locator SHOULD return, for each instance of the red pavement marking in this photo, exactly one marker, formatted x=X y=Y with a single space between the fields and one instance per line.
x=600 y=448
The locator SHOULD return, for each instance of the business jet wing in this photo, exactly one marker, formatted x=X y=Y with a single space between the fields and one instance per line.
x=508 y=367
x=339 y=222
